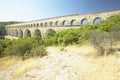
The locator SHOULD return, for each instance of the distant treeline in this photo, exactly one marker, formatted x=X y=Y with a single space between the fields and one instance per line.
x=3 y=24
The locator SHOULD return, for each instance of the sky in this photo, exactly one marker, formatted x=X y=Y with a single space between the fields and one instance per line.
x=27 y=10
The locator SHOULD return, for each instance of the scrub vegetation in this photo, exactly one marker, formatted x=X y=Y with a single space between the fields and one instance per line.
x=104 y=36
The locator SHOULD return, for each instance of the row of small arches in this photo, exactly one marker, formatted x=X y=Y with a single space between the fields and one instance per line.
x=65 y=22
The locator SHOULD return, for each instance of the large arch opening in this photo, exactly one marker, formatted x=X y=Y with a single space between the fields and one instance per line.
x=65 y=23
x=20 y=35
x=73 y=22
x=84 y=21
x=50 y=32
x=27 y=33
x=37 y=32
x=16 y=33
x=97 y=20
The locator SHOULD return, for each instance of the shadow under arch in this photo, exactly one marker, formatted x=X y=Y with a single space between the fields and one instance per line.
x=37 y=32
x=27 y=33
x=49 y=32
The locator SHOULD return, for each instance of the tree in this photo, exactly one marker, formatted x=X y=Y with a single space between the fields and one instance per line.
x=3 y=24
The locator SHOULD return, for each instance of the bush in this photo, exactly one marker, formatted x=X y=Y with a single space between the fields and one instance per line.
x=20 y=46
x=103 y=41
x=38 y=51
x=1 y=49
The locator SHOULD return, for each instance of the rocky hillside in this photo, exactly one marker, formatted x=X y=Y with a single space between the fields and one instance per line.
x=69 y=63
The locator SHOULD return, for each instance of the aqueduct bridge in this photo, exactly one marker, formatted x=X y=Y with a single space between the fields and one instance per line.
x=44 y=26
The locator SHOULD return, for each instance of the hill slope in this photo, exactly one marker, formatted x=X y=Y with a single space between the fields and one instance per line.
x=67 y=63
x=73 y=63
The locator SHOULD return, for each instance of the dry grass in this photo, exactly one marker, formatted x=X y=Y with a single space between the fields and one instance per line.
x=21 y=68
x=93 y=67
x=103 y=68
x=25 y=66
x=85 y=50
x=7 y=62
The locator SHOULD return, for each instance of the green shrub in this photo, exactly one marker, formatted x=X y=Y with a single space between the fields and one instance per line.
x=1 y=49
x=39 y=51
x=20 y=46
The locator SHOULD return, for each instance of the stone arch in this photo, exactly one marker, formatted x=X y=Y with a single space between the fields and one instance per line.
x=64 y=23
x=34 y=24
x=73 y=22
x=31 y=25
x=16 y=33
x=57 y=23
x=45 y=24
x=37 y=32
x=27 y=33
x=49 y=32
x=97 y=20
x=41 y=24
x=20 y=34
x=37 y=24
x=51 y=23
x=84 y=21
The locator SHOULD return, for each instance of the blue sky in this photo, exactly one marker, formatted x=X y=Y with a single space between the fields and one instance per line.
x=27 y=10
